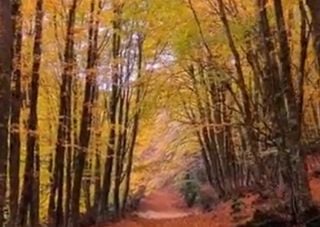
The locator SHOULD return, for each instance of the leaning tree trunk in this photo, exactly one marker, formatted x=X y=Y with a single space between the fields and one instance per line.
x=6 y=41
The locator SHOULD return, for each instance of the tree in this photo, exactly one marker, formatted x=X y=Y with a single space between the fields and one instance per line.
x=15 y=143
x=296 y=176
x=232 y=77
x=30 y=188
x=113 y=103
x=6 y=41
x=314 y=6
x=248 y=117
x=55 y=209
x=87 y=107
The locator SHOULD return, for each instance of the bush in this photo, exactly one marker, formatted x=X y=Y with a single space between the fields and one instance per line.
x=266 y=219
x=237 y=205
x=206 y=202
x=312 y=217
x=190 y=190
x=135 y=198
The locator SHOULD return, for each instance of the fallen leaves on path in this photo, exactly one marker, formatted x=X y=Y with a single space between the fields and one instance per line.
x=165 y=208
x=167 y=203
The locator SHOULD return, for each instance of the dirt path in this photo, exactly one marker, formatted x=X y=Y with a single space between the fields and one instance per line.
x=164 y=204
x=166 y=208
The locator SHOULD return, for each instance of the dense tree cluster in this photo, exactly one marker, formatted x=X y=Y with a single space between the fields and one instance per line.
x=81 y=80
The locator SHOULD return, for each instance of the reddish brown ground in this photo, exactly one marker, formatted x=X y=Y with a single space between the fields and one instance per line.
x=165 y=208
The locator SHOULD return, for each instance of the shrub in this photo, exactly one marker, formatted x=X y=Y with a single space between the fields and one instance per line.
x=267 y=219
x=189 y=189
x=135 y=198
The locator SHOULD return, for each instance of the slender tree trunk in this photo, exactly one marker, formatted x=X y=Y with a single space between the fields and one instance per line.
x=87 y=113
x=14 y=157
x=97 y=171
x=28 y=194
x=295 y=175
x=270 y=78
x=55 y=209
x=114 y=99
x=209 y=147
x=86 y=184
x=126 y=134
x=67 y=202
x=134 y=135
x=304 y=43
x=35 y=207
x=98 y=119
x=6 y=42
x=314 y=6
x=35 y=203
x=120 y=148
x=246 y=108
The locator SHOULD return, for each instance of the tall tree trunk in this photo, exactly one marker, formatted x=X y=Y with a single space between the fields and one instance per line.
x=14 y=157
x=120 y=148
x=269 y=75
x=314 y=6
x=35 y=207
x=87 y=112
x=135 y=127
x=55 y=209
x=67 y=202
x=6 y=42
x=98 y=120
x=209 y=146
x=28 y=193
x=97 y=168
x=295 y=175
x=112 y=112
x=304 y=43
x=246 y=107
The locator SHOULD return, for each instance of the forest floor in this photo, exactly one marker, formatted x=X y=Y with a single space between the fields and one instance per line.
x=165 y=208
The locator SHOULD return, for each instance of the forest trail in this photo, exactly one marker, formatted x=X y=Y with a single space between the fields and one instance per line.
x=164 y=203
x=165 y=208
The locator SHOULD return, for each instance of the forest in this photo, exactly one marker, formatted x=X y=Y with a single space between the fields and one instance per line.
x=139 y=113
